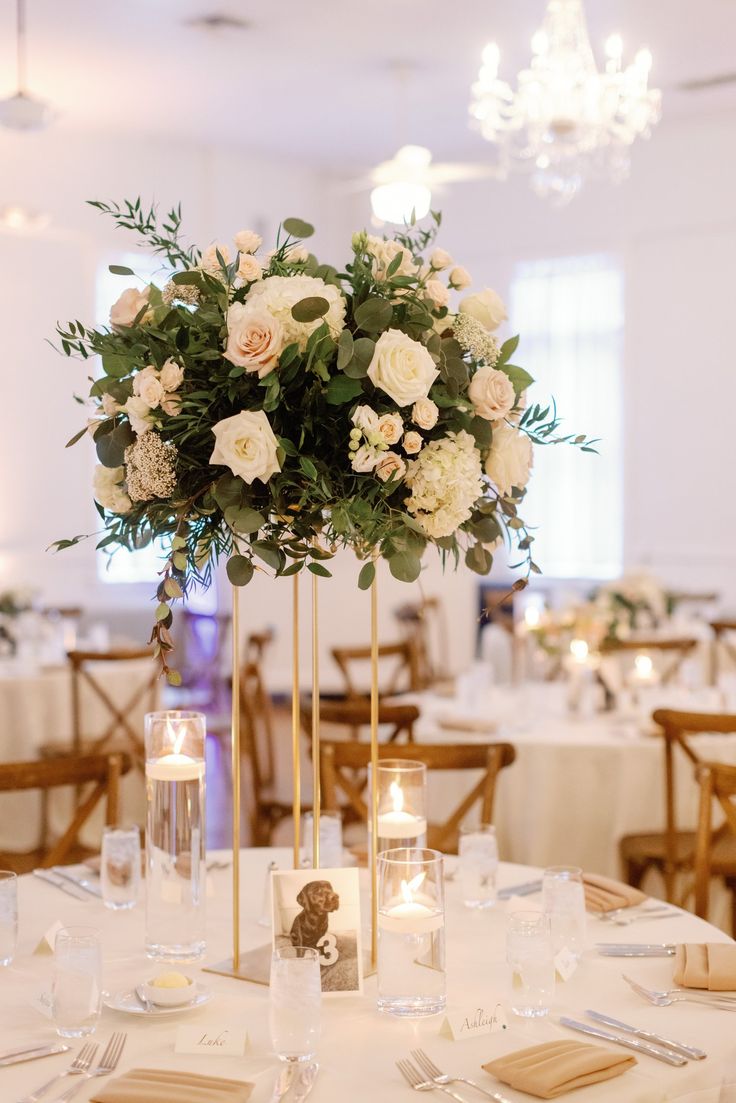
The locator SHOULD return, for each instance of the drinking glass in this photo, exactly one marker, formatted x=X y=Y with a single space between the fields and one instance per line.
x=478 y=865
x=8 y=916
x=530 y=955
x=77 y=985
x=563 y=900
x=120 y=866
x=295 y=1002
x=330 y=839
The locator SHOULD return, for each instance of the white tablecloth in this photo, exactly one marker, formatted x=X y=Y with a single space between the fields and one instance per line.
x=36 y=709
x=359 y=1046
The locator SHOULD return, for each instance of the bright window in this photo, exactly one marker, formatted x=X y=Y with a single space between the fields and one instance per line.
x=570 y=314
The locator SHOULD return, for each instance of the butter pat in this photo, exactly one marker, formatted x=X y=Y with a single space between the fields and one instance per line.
x=171 y=980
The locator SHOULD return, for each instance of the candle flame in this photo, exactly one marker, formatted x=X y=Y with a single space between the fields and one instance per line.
x=532 y=616
x=397 y=796
x=409 y=888
x=644 y=665
x=176 y=735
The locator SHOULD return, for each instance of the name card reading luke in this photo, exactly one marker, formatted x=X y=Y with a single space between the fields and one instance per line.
x=320 y=908
x=472 y=1021
x=221 y=1040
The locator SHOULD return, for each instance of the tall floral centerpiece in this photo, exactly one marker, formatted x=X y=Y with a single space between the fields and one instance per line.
x=271 y=408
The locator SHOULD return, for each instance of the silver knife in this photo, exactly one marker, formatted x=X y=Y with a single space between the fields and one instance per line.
x=678 y=1047
x=31 y=1053
x=283 y=1082
x=649 y=1048
x=635 y=949
x=525 y=889
x=92 y=887
x=307 y=1077
x=60 y=883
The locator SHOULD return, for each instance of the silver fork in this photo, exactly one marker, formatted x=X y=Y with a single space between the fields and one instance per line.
x=428 y=1066
x=80 y=1064
x=415 y=1080
x=677 y=995
x=640 y=917
x=108 y=1063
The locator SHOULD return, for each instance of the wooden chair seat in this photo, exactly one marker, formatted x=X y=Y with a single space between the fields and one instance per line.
x=650 y=849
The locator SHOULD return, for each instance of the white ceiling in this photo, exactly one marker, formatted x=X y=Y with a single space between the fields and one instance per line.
x=314 y=79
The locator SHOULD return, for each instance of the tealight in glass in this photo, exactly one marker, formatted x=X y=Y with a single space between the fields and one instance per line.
x=402 y=804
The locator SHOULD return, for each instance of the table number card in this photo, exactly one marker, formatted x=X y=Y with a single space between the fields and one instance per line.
x=472 y=1021
x=217 y=1040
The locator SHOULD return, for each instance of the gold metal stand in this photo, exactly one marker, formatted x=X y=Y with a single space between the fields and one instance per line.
x=316 y=798
x=235 y=744
x=374 y=764
x=295 y=756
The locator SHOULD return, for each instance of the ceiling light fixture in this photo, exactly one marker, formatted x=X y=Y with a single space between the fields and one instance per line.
x=402 y=186
x=23 y=111
x=566 y=120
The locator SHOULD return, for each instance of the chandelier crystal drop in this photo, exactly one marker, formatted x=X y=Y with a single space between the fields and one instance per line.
x=566 y=121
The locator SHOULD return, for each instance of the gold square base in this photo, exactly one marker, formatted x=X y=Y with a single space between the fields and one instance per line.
x=255 y=966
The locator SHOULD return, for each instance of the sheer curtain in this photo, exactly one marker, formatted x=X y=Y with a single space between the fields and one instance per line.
x=570 y=314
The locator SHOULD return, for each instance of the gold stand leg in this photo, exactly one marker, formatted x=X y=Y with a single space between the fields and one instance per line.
x=295 y=760
x=316 y=799
x=374 y=766
x=235 y=743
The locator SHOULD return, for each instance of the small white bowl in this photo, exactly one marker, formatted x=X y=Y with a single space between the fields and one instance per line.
x=169 y=997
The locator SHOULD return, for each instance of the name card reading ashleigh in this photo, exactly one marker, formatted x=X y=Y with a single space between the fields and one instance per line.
x=213 y=1041
x=472 y=1021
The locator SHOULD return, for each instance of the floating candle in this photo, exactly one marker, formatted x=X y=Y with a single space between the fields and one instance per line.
x=399 y=824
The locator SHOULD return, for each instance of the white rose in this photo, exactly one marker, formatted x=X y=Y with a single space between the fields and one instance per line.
x=437 y=292
x=127 y=308
x=492 y=393
x=486 y=307
x=412 y=443
x=249 y=268
x=209 y=260
x=108 y=490
x=171 y=376
x=109 y=406
x=245 y=443
x=171 y=405
x=365 y=419
x=440 y=259
x=296 y=254
x=138 y=415
x=247 y=241
x=254 y=338
x=390 y=426
x=402 y=368
x=365 y=459
x=510 y=459
x=147 y=385
x=390 y=464
x=460 y=278
x=425 y=413
x=383 y=252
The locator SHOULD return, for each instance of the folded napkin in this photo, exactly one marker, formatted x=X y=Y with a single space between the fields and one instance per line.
x=709 y=965
x=554 y=1068
x=603 y=894
x=484 y=725
x=167 y=1086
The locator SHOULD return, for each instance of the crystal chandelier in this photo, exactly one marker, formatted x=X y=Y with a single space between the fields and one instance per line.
x=566 y=120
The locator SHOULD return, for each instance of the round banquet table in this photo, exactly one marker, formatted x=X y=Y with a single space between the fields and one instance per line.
x=359 y=1045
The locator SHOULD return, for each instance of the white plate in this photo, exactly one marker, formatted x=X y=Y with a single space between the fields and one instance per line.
x=129 y=1003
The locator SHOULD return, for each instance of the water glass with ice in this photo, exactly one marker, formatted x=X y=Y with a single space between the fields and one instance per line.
x=77 y=985
x=295 y=1002
x=478 y=866
x=8 y=916
x=120 y=866
x=563 y=900
x=530 y=955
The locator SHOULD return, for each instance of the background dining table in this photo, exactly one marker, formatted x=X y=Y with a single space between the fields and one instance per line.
x=359 y=1046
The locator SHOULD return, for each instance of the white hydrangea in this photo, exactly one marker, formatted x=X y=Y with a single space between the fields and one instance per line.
x=446 y=479
x=278 y=294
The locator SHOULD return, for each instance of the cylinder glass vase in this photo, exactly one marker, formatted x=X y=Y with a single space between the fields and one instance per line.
x=411 y=932
x=176 y=878
x=402 y=803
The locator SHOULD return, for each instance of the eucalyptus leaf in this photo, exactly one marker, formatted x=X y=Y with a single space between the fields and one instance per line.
x=297 y=227
x=520 y=378
x=345 y=347
x=111 y=446
x=366 y=576
x=239 y=570
x=309 y=309
x=373 y=315
x=120 y=270
x=244 y=519
x=405 y=566
x=341 y=389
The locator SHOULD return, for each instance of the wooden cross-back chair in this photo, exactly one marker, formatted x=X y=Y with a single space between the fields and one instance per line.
x=723 y=644
x=120 y=729
x=717 y=791
x=672 y=851
x=675 y=650
x=339 y=762
x=398 y=671
x=354 y=717
x=102 y=772
x=424 y=623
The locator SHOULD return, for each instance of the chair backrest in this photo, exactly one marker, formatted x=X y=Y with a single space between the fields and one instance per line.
x=256 y=725
x=340 y=760
x=88 y=669
x=678 y=727
x=717 y=790
x=397 y=668
x=723 y=629
x=354 y=717
x=674 y=649
x=102 y=771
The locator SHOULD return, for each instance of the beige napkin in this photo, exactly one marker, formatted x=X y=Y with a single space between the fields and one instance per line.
x=709 y=965
x=467 y=724
x=167 y=1086
x=603 y=894
x=554 y=1068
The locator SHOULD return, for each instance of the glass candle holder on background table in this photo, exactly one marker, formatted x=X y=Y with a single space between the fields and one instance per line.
x=176 y=877
x=330 y=839
x=402 y=803
x=478 y=865
x=295 y=1000
x=77 y=984
x=120 y=866
x=411 y=932
x=531 y=958
x=8 y=916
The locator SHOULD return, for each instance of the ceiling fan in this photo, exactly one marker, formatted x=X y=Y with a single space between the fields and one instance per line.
x=23 y=111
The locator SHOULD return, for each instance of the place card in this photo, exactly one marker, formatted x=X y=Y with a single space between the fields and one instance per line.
x=565 y=963
x=217 y=1040
x=42 y=1001
x=469 y=1022
x=46 y=945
